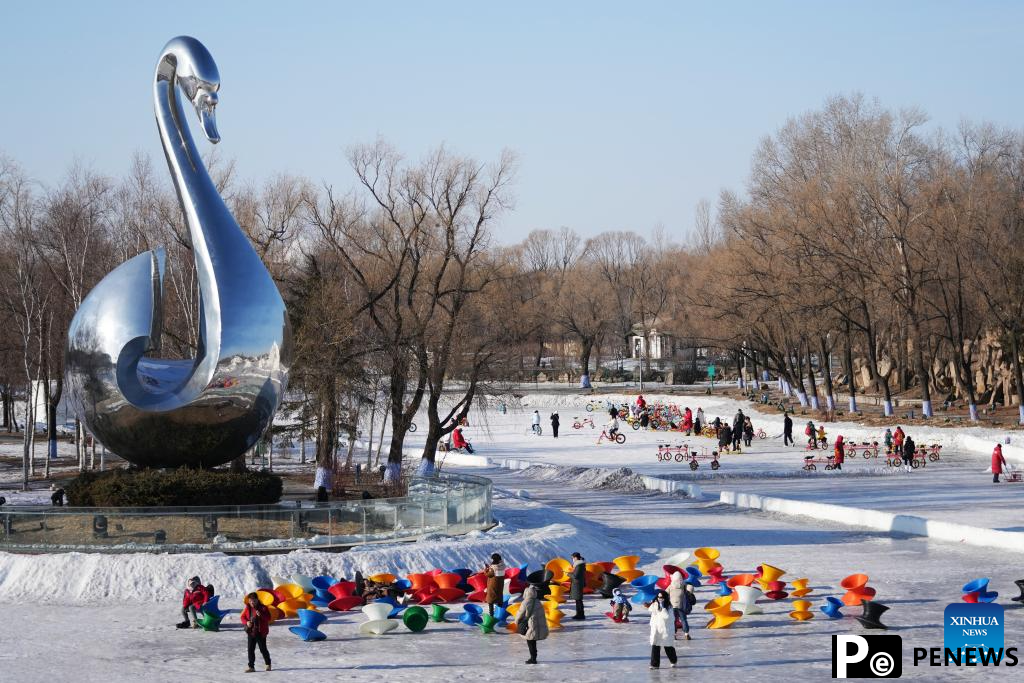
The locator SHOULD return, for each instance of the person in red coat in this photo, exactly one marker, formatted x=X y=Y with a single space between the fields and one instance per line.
x=897 y=442
x=459 y=441
x=998 y=462
x=195 y=597
x=688 y=421
x=256 y=620
x=840 y=453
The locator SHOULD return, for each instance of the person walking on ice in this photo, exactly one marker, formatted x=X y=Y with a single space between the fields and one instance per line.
x=909 y=448
x=495 y=573
x=787 y=430
x=897 y=442
x=998 y=463
x=577 y=584
x=662 y=630
x=680 y=594
x=531 y=621
x=554 y=424
x=536 y=422
x=256 y=620
x=839 y=453
x=724 y=438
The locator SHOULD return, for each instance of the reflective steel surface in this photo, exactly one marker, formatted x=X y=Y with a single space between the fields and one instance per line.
x=208 y=410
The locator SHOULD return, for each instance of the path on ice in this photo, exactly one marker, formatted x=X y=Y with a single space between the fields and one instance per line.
x=958 y=488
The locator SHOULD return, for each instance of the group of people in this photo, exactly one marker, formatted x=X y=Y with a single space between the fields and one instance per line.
x=899 y=444
x=256 y=618
x=686 y=422
x=668 y=610
x=816 y=436
x=731 y=436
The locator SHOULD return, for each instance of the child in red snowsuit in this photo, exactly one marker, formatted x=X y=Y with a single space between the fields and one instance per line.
x=195 y=597
x=256 y=620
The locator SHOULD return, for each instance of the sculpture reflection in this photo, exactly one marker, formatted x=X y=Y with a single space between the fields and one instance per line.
x=208 y=410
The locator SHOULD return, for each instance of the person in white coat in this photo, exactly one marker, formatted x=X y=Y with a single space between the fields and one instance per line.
x=531 y=620
x=536 y=422
x=662 y=629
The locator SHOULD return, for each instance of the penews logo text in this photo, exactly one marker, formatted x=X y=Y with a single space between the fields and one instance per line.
x=973 y=636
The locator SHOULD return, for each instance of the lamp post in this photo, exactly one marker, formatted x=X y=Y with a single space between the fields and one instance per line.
x=640 y=359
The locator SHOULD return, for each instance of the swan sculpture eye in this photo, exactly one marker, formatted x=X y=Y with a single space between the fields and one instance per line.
x=206 y=99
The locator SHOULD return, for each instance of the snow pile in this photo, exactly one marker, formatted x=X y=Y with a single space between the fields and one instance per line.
x=620 y=479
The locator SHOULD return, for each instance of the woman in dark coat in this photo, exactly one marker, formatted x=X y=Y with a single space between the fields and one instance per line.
x=724 y=438
x=909 y=448
x=578 y=583
x=554 y=424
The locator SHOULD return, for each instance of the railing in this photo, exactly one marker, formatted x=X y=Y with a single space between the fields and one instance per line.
x=444 y=504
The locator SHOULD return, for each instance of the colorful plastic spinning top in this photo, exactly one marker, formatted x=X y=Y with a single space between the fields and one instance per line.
x=801 y=610
x=832 y=607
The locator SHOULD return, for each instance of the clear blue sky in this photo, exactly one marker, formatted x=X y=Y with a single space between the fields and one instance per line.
x=623 y=114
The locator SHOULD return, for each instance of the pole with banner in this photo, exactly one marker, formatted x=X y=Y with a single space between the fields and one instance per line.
x=711 y=376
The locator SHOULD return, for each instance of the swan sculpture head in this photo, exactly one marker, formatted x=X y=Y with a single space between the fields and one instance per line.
x=188 y=64
x=209 y=409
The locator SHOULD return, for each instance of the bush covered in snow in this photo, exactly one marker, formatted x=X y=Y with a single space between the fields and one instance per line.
x=180 y=487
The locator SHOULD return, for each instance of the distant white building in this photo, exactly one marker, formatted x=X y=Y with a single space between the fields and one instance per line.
x=658 y=345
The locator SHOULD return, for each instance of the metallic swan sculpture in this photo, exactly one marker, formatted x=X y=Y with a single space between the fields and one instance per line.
x=211 y=409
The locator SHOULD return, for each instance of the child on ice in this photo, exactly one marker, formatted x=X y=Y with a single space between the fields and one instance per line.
x=681 y=597
x=256 y=620
x=620 y=606
x=193 y=600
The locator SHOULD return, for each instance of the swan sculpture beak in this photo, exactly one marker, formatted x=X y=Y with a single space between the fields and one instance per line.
x=205 y=103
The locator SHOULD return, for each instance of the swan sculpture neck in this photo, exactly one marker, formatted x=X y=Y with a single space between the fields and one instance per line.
x=212 y=408
x=187 y=65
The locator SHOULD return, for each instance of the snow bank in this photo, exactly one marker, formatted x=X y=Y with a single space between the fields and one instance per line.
x=462 y=460
x=527 y=533
x=621 y=479
x=910 y=525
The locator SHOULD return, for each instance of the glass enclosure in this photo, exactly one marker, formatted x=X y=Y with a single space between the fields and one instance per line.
x=441 y=504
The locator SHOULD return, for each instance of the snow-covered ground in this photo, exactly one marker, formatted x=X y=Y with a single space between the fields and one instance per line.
x=114 y=615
